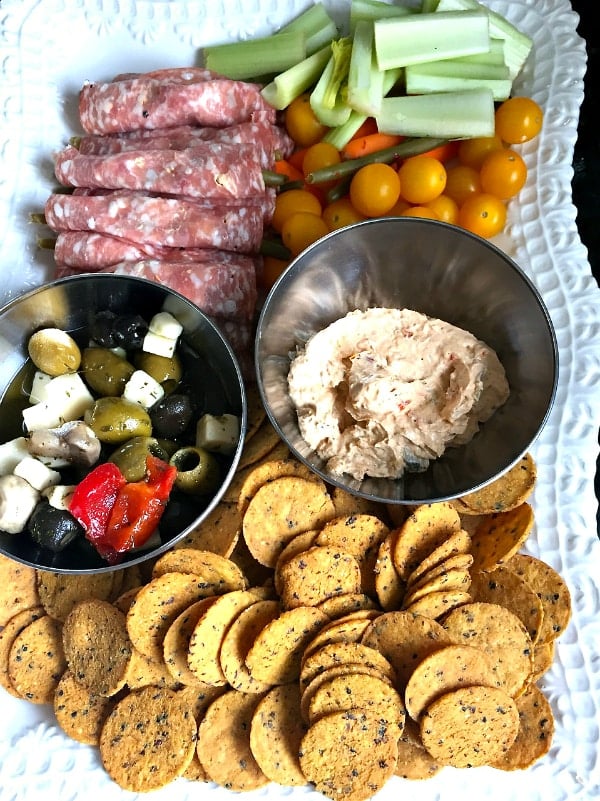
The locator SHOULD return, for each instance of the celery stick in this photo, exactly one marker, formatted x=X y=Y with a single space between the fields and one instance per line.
x=451 y=115
x=517 y=45
x=427 y=6
x=290 y=84
x=327 y=99
x=317 y=26
x=451 y=76
x=455 y=68
x=371 y=10
x=415 y=38
x=251 y=57
x=495 y=55
x=365 y=79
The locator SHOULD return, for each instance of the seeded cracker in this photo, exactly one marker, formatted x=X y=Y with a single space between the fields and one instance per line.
x=218 y=532
x=456 y=544
x=349 y=628
x=18 y=588
x=389 y=587
x=12 y=627
x=36 y=660
x=224 y=742
x=340 y=605
x=60 y=592
x=536 y=730
x=148 y=739
x=437 y=604
x=499 y=536
x=301 y=542
x=414 y=760
x=457 y=579
x=350 y=653
x=425 y=529
x=349 y=755
x=97 y=646
x=319 y=573
x=262 y=442
x=219 y=572
x=177 y=642
x=276 y=733
x=79 y=712
x=268 y=470
x=506 y=493
x=143 y=671
x=543 y=657
x=328 y=673
x=238 y=640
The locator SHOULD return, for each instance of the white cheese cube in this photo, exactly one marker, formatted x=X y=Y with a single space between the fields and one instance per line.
x=11 y=453
x=159 y=345
x=67 y=398
x=218 y=434
x=165 y=325
x=59 y=496
x=35 y=473
x=38 y=386
x=142 y=388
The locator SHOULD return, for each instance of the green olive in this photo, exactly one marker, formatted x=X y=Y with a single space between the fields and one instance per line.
x=115 y=420
x=130 y=457
x=105 y=372
x=54 y=352
x=198 y=472
x=167 y=371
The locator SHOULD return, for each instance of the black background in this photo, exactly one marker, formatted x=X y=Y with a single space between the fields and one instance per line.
x=586 y=159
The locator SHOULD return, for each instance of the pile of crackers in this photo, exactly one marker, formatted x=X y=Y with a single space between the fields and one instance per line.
x=301 y=635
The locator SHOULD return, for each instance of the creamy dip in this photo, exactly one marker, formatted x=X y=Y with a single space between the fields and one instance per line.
x=382 y=391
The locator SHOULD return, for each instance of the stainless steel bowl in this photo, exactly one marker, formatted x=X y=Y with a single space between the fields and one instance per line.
x=69 y=304
x=444 y=272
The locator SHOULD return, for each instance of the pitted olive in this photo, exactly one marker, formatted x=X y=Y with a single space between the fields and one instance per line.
x=168 y=371
x=53 y=351
x=198 y=471
x=115 y=420
x=130 y=457
x=171 y=415
x=105 y=372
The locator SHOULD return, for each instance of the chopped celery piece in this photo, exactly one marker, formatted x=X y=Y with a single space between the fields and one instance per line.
x=517 y=45
x=317 y=26
x=414 y=38
x=495 y=55
x=251 y=57
x=427 y=6
x=450 y=76
x=328 y=99
x=290 y=84
x=451 y=115
x=371 y=10
x=365 y=79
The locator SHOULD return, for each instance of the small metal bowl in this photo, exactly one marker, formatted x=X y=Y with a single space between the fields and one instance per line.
x=70 y=304
x=442 y=271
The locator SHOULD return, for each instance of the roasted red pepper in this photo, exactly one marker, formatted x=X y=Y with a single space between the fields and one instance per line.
x=94 y=498
x=139 y=506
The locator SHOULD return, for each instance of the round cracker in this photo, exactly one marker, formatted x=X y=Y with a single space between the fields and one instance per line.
x=148 y=739
x=60 y=592
x=340 y=653
x=505 y=493
x=176 y=643
x=349 y=755
x=12 y=627
x=276 y=732
x=344 y=629
x=389 y=587
x=452 y=579
x=543 y=657
x=347 y=602
x=268 y=470
x=224 y=742
x=275 y=655
x=18 y=588
x=330 y=673
x=79 y=712
x=281 y=509
x=457 y=543
x=97 y=646
x=219 y=573
x=346 y=503
x=425 y=529
x=238 y=640
x=301 y=542
x=316 y=574
x=218 y=532
x=446 y=669
x=437 y=604
x=36 y=660
x=499 y=536
x=414 y=760
x=143 y=671
x=536 y=731
x=264 y=439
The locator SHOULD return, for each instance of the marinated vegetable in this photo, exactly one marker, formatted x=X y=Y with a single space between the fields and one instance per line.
x=105 y=371
x=116 y=420
x=53 y=528
x=54 y=351
x=198 y=471
x=130 y=457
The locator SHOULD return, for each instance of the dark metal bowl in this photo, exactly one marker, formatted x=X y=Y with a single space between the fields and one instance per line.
x=442 y=271
x=69 y=304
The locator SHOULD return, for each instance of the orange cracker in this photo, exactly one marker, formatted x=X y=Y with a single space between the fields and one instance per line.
x=176 y=642
x=536 y=731
x=218 y=532
x=79 y=712
x=143 y=671
x=256 y=411
x=451 y=579
x=425 y=529
x=336 y=653
x=389 y=587
x=543 y=657
x=18 y=588
x=238 y=639
x=328 y=673
x=276 y=732
x=505 y=493
x=316 y=574
x=279 y=510
x=457 y=543
x=414 y=761
x=224 y=742
x=148 y=739
x=437 y=604
x=499 y=536
x=268 y=470
x=97 y=646
x=219 y=572
x=470 y=727
x=60 y=592
x=36 y=660
x=346 y=503
x=11 y=628
x=345 y=603
x=301 y=542
x=552 y=591
x=262 y=442
x=344 y=629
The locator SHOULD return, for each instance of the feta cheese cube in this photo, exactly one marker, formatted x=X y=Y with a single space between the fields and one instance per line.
x=142 y=388
x=38 y=386
x=67 y=398
x=11 y=453
x=35 y=473
x=59 y=496
x=165 y=325
x=219 y=434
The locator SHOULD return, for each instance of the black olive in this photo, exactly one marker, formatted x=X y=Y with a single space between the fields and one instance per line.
x=171 y=415
x=102 y=329
x=53 y=528
x=130 y=330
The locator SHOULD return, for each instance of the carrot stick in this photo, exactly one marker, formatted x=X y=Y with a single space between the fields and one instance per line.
x=371 y=143
x=283 y=167
x=369 y=126
x=444 y=152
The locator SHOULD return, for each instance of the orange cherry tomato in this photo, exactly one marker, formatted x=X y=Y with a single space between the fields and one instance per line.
x=301 y=230
x=400 y=206
x=422 y=178
x=320 y=155
x=483 y=214
x=374 y=189
x=301 y=122
x=445 y=207
x=340 y=213
x=503 y=173
x=420 y=211
x=272 y=269
x=461 y=182
x=472 y=152
x=292 y=201
x=518 y=120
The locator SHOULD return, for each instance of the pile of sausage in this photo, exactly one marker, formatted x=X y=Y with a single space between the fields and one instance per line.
x=168 y=184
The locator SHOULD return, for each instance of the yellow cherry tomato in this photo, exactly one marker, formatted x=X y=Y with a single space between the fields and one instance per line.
x=518 y=120
x=272 y=269
x=320 y=155
x=399 y=206
x=292 y=201
x=301 y=230
x=301 y=122
x=445 y=207
x=462 y=182
x=422 y=178
x=472 y=152
x=374 y=189
x=483 y=214
x=420 y=211
x=503 y=173
x=340 y=213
